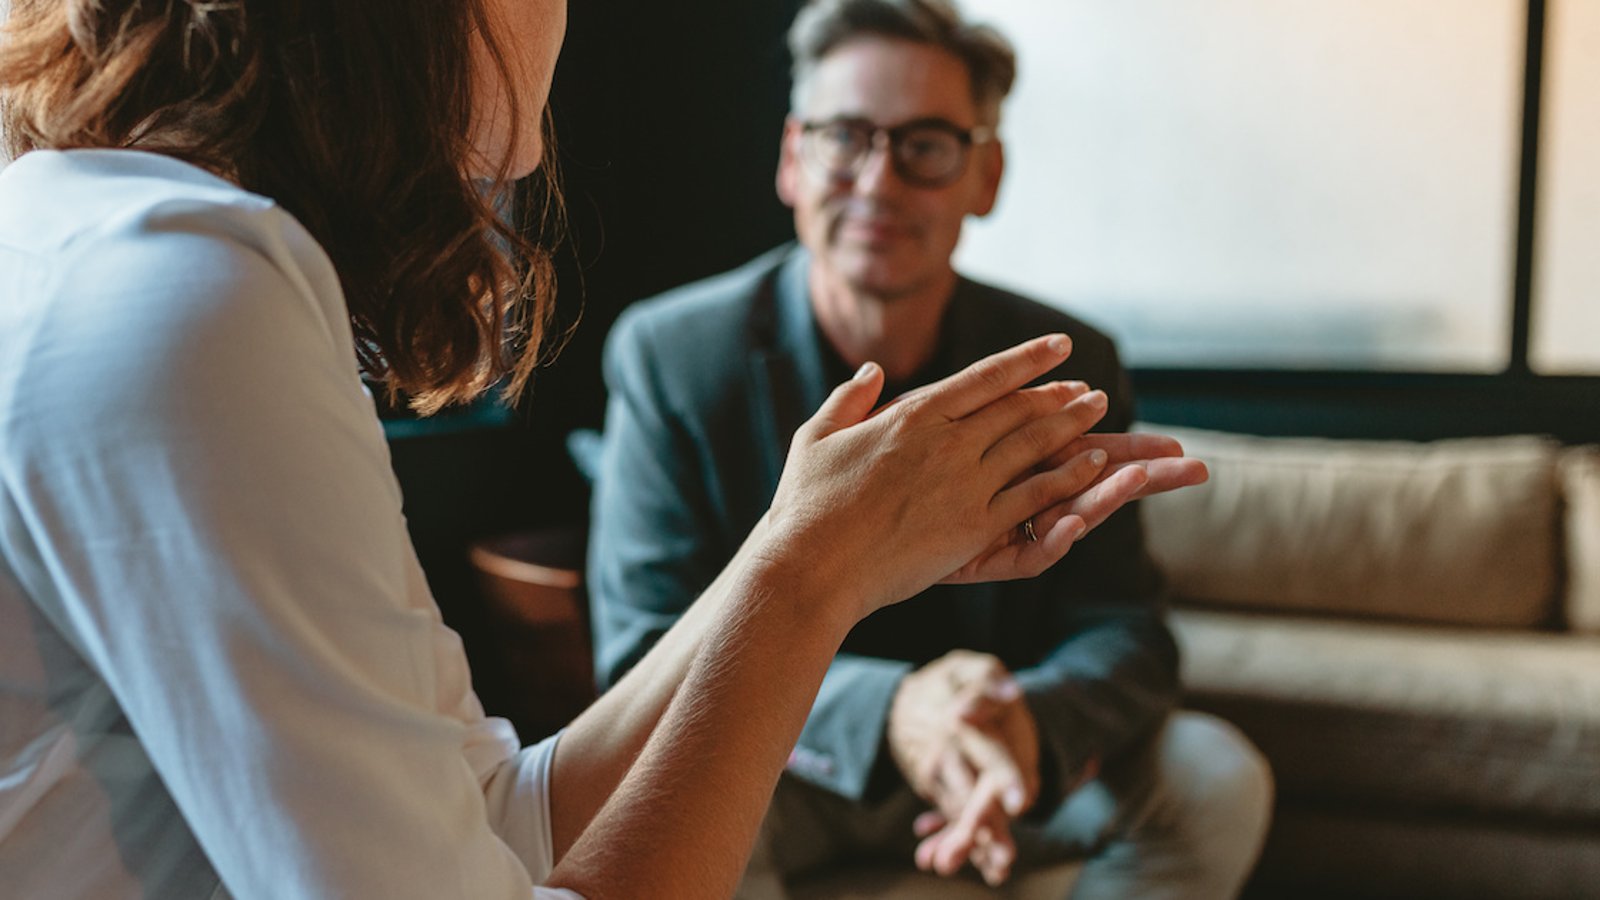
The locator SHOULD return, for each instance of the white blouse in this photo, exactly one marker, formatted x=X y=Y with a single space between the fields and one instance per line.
x=221 y=671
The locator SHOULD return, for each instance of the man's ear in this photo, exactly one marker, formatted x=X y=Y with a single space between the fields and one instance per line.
x=788 y=180
x=991 y=165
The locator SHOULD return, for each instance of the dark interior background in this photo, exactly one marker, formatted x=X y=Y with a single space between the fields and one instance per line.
x=667 y=118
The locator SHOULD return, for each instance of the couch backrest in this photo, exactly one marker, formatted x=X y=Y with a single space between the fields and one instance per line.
x=1461 y=532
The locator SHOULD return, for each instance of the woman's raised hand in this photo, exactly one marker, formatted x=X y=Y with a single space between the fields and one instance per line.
x=936 y=485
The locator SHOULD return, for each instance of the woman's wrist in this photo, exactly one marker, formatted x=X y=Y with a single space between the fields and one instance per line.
x=803 y=588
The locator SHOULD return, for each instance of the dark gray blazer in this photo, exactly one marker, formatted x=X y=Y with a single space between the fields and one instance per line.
x=708 y=384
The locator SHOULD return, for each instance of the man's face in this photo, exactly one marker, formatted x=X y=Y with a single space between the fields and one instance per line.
x=878 y=232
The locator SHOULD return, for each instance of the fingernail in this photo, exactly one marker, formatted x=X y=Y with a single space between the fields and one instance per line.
x=864 y=372
x=1079 y=530
x=1007 y=690
x=1097 y=399
x=1060 y=344
x=1075 y=389
x=1013 y=800
x=1097 y=458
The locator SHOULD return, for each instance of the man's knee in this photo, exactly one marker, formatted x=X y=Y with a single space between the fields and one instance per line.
x=1217 y=776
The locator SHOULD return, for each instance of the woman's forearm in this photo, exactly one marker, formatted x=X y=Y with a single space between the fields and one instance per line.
x=751 y=656
x=602 y=742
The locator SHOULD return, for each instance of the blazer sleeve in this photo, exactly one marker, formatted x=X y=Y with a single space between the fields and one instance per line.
x=1108 y=674
x=652 y=548
x=841 y=745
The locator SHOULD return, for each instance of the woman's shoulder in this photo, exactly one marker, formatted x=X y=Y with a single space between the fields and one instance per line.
x=128 y=279
x=56 y=199
x=146 y=240
x=80 y=209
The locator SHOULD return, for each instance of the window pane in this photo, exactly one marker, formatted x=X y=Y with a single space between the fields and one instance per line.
x=1566 y=286
x=1265 y=183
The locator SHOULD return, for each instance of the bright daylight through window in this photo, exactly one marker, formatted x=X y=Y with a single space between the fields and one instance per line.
x=1250 y=183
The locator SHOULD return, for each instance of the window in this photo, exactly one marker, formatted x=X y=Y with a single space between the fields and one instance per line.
x=1260 y=184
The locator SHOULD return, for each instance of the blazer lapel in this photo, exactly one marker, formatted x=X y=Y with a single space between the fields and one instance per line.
x=786 y=372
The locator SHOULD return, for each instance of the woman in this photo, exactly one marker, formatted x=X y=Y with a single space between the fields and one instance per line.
x=220 y=669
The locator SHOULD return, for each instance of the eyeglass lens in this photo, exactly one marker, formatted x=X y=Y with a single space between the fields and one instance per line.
x=927 y=154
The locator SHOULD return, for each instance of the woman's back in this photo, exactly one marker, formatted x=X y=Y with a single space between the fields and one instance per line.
x=194 y=498
x=103 y=252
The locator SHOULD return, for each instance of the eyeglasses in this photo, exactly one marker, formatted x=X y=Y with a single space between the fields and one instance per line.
x=924 y=152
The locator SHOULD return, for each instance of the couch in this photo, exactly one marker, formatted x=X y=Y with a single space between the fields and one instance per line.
x=1410 y=632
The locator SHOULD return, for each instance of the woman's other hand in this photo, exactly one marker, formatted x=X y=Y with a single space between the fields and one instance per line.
x=1131 y=467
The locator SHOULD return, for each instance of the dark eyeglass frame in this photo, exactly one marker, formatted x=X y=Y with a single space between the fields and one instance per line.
x=896 y=137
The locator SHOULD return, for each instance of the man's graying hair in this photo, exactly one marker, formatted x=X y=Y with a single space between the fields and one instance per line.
x=824 y=25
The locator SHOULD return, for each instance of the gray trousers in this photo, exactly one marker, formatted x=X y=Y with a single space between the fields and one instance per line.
x=1183 y=816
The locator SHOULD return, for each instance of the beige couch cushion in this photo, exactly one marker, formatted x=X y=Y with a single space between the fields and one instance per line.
x=1460 y=532
x=1580 y=488
x=1406 y=717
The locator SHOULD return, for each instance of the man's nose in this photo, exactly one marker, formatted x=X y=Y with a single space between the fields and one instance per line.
x=877 y=174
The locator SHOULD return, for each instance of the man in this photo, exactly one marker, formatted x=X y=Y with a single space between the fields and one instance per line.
x=1027 y=721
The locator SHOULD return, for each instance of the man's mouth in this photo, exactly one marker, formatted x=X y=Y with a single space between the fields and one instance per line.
x=874 y=230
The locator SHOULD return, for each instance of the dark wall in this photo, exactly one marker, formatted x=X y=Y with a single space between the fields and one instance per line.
x=667 y=120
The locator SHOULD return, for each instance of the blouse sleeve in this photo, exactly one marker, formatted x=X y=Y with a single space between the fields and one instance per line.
x=219 y=535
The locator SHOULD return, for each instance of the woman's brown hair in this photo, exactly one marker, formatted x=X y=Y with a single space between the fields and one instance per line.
x=354 y=116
